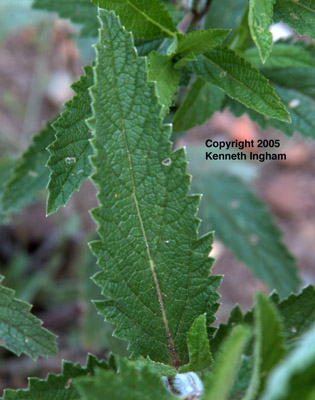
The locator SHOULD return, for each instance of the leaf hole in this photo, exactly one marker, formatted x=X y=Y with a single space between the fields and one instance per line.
x=70 y=160
x=167 y=162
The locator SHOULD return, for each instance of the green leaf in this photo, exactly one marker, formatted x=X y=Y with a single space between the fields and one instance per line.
x=302 y=110
x=200 y=357
x=56 y=386
x=155 y=367
x=236 y=317
x=6 y=167
x=282 y=56
x=243 y=224
x=225 y=14
x=20 y=331
x=302 y=113
x=95 y=334
x=162 y=71
x=30 y=174
x=269 y=343
x=294 y=378
x=270 y=333
x=69 y=153
x=218 y=385
x=145 y=20
x=259 y=19
x=242 y=380
x=197 y=42
x=299 y=15
x=201 y=101
x=149 y=248
x=129 y=383
x=297 y=314
x=79 y=11
x=300 y=79
x=144 y=47
x=239 y=80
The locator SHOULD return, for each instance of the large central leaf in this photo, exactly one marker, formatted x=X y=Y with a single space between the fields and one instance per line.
x=155 y=269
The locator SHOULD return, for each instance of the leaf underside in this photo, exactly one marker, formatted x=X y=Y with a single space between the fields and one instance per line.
x=149 y=249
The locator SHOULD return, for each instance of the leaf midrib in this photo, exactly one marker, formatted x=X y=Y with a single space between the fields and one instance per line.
x=161 y=27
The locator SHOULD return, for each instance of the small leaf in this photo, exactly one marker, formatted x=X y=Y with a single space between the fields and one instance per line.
x=218 y=385
x=197 y=42
x=20 y=331
x=82 y=11
x=69 y=153
x=56 y=386
x=145 y=20
x=159 y=253
x=162 y=71
x=282 y=56
x=130 y=383
x=299 y=15
x=225 y=14
x=243 y=224
x=269 y=343
x=200 y=357
x=294 y=378
x=259 y=19
x=30 y=174
x=239 y=80
x=201 y=101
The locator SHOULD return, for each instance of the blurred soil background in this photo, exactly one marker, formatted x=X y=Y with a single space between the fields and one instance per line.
x=46 y=260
